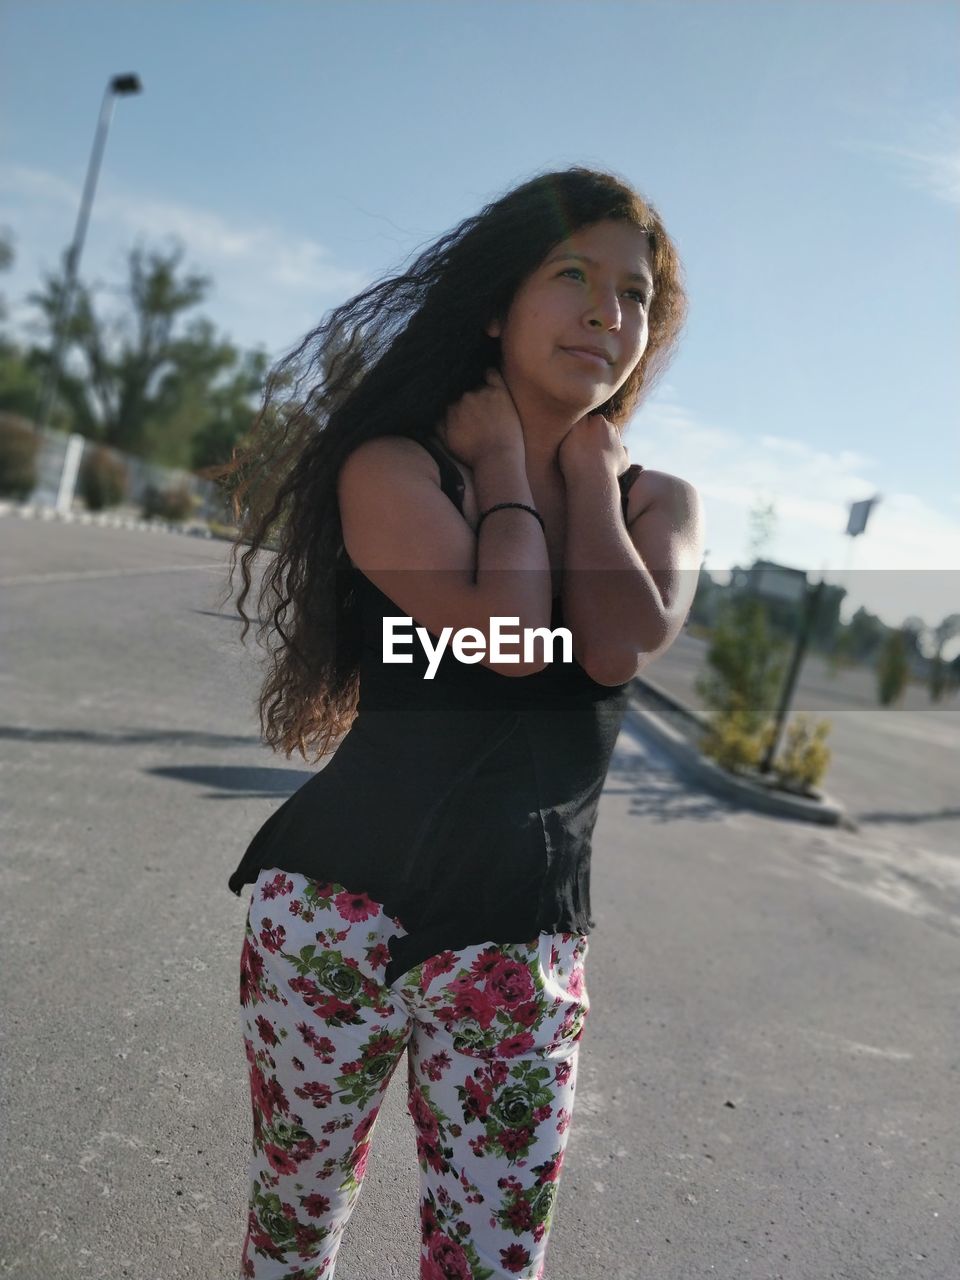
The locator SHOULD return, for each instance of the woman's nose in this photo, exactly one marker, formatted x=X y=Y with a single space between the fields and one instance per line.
x=605 y=310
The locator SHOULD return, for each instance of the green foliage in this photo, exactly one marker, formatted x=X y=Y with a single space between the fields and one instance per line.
x=133 y=381
x=746 y=664
x=20 y=383
x=19 y=445
x=734 y=739
x=804 y=756
x=102 y=481
x=892 y=670
x=174 y=504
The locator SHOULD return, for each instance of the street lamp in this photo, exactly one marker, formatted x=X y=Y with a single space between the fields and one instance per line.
x=118 y=85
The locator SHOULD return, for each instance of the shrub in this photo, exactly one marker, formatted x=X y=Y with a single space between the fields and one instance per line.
x=892 y=669
x=103 y=478
x=168 y=504
x=803 y=760
x=745 y=664
x=735 y=739
x=19 y=445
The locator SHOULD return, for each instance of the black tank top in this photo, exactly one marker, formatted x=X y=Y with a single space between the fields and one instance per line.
x=464 y=804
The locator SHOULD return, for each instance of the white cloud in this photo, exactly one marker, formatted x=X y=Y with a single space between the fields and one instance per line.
x=906 y=561
x=931 y=165
x=273 y=286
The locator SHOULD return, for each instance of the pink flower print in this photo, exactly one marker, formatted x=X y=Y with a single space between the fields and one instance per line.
x=435 y=1066
x=428 y=1150
x=316 y=1204
x=563 y=1120
x=278 y=885
x=450 y=1258
x=360 y=1163
x=512 y=1141
x=497 y=1073
x=575 y=985
x=365 y=1125
x=262 y=1100
x=549 y=1171
x=513 y=1046
x=315 y=1091
x=267 y=1033
x=279 y=1159
x=554 y=957
x=510 y=982
x=251 y=971
x=468 y=1002
x=307 y=988
x=379 y=956
x=329 y=1007
x=306 y=1238
x=383 y=1042
x=486 y=962
x=477 y=1100
x=272 y=939
x=320 y=1045
x=526 y=1014
x=520 y=1216
x=435 y=965
x=355 y=906
x=278 y=1098
x=515 y=1258
x=423 y=1117
x=562 y=1073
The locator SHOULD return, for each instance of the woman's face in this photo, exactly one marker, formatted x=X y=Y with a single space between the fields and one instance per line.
x=593 y=289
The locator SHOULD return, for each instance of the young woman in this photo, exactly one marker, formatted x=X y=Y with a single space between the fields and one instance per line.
x=456 y=461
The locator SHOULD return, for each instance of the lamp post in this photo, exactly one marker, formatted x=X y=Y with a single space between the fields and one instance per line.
x=118 y=85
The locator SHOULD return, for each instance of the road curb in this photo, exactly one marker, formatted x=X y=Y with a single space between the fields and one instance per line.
x=826 y=810
x=40 y=511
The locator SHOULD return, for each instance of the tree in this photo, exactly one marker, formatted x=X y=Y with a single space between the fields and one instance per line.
x=892 y=670
x=138 y=385
x=19 y=382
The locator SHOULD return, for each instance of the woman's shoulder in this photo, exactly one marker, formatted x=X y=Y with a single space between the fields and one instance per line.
x=645 y=488
x=388 y=449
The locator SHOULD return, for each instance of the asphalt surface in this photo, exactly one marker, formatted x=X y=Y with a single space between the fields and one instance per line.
x=768 y=1083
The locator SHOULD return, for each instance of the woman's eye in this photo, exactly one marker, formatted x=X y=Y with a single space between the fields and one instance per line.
x=636 y=292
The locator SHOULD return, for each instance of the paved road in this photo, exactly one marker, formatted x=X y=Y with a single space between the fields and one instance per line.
x=769 y=1075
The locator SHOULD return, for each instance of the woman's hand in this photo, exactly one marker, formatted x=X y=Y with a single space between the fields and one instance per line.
x=482 y=421
x=592 y=444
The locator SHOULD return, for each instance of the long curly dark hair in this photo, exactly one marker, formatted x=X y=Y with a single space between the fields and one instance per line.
x=392 y=360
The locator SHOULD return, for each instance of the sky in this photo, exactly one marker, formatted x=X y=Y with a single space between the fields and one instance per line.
x=804 y=157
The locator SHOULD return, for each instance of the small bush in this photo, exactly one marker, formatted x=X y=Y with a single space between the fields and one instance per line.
x=737 y=743
x=892 y=670
x=175 y=504
x=803 y=760
x=734 y=739
x=103 y=478
x=19 y=445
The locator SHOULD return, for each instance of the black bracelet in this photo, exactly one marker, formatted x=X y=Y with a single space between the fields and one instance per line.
x=501 y=505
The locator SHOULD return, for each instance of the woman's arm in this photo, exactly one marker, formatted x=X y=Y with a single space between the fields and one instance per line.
x=627 y=591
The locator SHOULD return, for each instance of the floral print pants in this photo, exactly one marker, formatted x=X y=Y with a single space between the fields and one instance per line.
x=492 y=1035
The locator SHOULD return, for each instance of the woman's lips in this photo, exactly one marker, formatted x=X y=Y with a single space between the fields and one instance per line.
x=587 y=355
